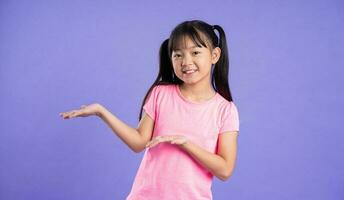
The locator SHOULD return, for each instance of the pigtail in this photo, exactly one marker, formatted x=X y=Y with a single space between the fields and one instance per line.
x=221 y=68
x=165 y=64
x=166 y=73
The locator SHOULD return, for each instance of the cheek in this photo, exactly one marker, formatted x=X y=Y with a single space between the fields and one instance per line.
x=176 y=67
x=176 y=63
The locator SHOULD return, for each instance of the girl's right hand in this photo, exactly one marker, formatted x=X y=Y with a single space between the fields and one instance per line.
x=84 y=111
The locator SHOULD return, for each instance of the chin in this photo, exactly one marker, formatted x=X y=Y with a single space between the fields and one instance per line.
x=190 y=82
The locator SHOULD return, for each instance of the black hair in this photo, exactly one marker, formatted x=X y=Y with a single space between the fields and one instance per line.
x=166 y=75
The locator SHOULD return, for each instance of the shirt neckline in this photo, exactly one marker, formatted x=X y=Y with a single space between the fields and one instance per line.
x=194 y=102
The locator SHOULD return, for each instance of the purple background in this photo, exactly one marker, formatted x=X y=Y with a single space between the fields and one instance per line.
x=286 y=60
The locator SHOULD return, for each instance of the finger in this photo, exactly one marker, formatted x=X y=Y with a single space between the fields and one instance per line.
x=154 y=143
x=158 y=137
x=77 y=114
x=64 y=115
x=175 y=141
x=148 y=144
x=164 y=139
x=170 y=138
x=74 y=114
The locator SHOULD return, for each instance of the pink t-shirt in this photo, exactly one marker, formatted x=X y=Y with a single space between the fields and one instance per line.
x=166 y=171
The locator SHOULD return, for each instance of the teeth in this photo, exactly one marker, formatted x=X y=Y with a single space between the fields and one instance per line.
x=189 y=71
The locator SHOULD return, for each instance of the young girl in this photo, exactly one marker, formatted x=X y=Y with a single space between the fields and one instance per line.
x=190 y=125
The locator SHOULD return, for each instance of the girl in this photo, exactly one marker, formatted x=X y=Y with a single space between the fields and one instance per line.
x=190 y=125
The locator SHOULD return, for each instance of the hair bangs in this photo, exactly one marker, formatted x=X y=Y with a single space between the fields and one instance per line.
x=177 y=39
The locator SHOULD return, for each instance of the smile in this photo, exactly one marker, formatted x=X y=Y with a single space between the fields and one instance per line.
x=189 y=71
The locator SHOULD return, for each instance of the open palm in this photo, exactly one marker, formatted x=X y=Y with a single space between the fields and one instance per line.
x=84 y=111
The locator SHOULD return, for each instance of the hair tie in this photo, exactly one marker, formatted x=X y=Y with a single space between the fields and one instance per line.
x=213 y=27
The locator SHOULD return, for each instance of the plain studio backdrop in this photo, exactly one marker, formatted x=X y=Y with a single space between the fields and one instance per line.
x=285 y=74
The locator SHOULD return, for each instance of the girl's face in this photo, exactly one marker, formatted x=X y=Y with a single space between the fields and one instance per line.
x=192 y=64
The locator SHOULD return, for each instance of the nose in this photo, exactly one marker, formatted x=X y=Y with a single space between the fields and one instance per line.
x=187 y=60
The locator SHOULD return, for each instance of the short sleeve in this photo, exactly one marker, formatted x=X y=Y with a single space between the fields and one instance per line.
x=230 y=118
x=150 y=104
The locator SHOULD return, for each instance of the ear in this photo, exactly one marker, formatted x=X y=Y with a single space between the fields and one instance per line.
x=215 y=56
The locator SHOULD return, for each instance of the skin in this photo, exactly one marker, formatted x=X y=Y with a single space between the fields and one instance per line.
x=196 y=87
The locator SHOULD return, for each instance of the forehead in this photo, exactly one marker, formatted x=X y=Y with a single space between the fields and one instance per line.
x=185 y=42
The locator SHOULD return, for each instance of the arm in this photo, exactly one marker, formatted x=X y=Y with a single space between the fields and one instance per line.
x=220 y=164
x=136 y=139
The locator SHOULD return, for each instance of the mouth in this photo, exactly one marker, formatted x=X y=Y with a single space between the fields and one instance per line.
x=190 y=71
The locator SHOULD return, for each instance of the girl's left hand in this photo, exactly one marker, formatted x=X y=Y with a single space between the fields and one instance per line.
x=173 y=139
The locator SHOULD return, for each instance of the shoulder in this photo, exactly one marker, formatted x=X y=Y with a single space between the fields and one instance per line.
x=160 y=90
x=226 y=105
x=163 y=88
x=227 y=108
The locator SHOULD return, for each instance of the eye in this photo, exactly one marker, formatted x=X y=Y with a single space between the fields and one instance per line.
x=197 y=52
x=176 y=55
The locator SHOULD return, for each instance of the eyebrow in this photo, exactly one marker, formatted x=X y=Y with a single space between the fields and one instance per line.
x=192 y=47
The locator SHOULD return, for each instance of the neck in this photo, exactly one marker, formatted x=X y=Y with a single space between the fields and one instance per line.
x=197 y=92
